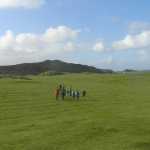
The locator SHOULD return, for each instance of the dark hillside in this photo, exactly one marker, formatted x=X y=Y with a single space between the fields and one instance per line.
x=49 y=65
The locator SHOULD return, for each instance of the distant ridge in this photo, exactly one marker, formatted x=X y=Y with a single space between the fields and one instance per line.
x=51 y=66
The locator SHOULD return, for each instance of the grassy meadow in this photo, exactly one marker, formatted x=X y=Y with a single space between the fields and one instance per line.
x=115 y=115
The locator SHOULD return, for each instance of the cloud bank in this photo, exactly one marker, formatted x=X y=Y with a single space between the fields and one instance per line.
x=53 y=39
x=21 y=3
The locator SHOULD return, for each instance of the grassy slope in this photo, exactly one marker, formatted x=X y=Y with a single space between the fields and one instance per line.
x=114 y=116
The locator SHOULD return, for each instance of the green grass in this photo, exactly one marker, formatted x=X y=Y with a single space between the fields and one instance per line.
x=114 y=116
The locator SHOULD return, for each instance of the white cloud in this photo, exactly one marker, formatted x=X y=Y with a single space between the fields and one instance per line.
x=29 y=42
x=99 y=47
x=61 y=33
x=137 y=41
x=21 y=3
x=7 y=41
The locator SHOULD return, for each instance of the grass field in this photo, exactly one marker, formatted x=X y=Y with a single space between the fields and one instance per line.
x=115 y=115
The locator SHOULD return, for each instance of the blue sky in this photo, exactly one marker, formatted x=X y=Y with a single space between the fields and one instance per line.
x=105 y=33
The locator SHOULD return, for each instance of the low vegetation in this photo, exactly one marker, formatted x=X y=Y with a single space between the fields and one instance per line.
x=115 y=115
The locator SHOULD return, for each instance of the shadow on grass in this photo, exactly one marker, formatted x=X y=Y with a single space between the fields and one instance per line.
x=71 y=100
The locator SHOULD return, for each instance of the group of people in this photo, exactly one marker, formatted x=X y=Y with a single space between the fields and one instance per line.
x=62 y=92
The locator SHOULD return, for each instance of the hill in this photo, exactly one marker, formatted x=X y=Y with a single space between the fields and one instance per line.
x=49 y=65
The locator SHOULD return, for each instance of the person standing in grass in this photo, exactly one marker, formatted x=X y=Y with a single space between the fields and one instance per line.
x=84 y=93
x=67 y=92
x=70 y=92
x=63 y=93
x=57 y=92
x=60 y=86
x=73 y=94
x=78 y=95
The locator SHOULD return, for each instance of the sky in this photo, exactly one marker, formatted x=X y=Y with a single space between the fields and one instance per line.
x=113 y=34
